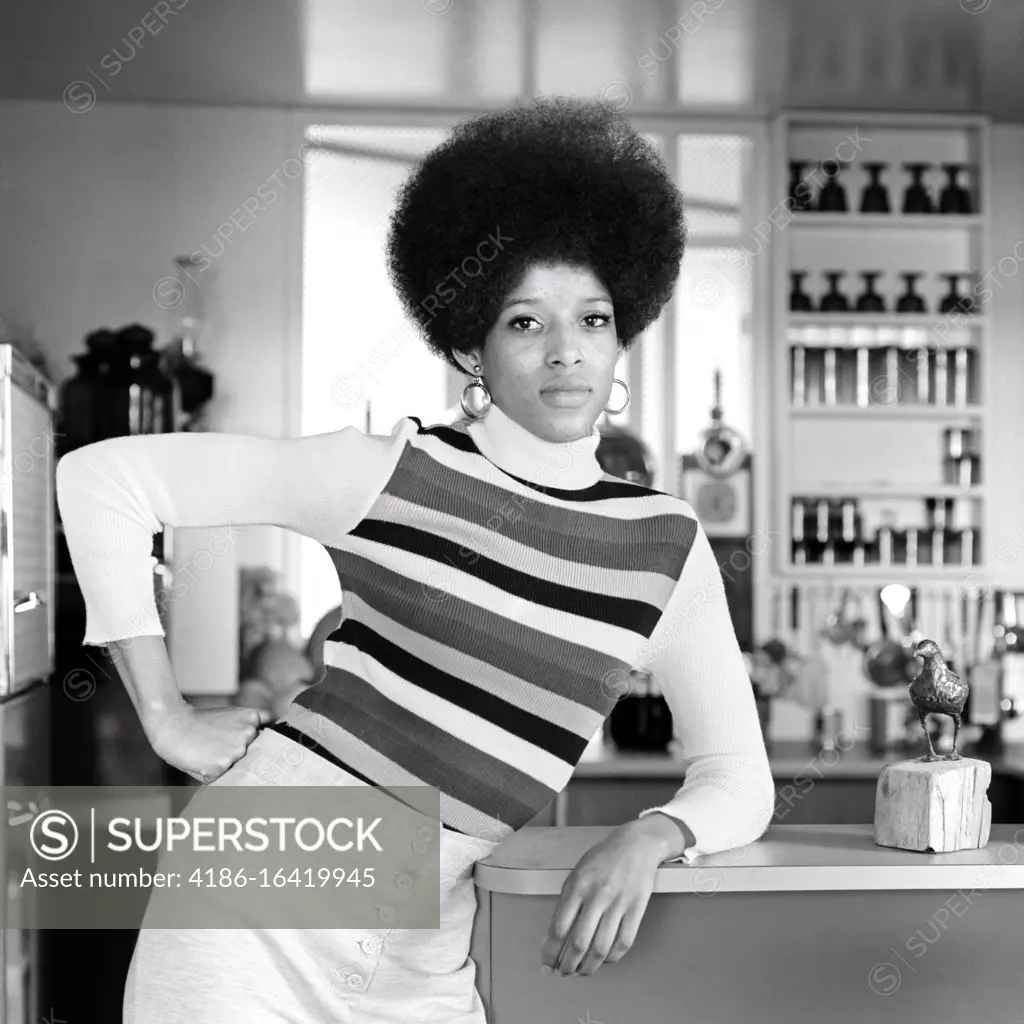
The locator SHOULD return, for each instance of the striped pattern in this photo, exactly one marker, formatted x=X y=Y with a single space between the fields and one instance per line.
x=487 y=622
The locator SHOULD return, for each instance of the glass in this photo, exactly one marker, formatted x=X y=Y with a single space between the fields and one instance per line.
x=869 y=301
x=834 y=301
x=954 y=197
x=910 y=301
x=875 y=197
x=832 y=198
x=799 y=300
x=917 y=198
x=953 y=301
x=182 y=360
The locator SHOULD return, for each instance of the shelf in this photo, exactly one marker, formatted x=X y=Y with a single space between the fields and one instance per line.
x=926 y=320
x=911 y=412
x=869 y=491
x=887 y=221
x=889 y=574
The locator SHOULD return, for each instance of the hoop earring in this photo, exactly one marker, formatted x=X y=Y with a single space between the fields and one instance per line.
x=482 y=400
x=622 y=408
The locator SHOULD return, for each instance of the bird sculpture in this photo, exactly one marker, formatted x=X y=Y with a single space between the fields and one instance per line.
x=937 y=690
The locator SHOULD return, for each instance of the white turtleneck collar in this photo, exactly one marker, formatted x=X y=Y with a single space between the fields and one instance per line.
x=565 y=465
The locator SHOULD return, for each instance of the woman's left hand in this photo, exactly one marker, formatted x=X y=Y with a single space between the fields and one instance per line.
x=603 y=900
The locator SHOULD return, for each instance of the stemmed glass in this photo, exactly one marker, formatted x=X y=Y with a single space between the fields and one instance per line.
x=917 y=199
x=953 y=301
x=869 y=301
x=910 y=301
x=832 y=198
x=799 y=300
x=954 y=197
x=875 y=197
x=834 y=301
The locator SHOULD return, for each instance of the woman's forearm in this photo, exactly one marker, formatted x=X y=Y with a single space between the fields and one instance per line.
x=144 y=666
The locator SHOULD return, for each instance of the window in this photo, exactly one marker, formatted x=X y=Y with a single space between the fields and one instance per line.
x=363 y=362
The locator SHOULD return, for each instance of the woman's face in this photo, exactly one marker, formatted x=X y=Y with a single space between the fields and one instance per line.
x=549 y=360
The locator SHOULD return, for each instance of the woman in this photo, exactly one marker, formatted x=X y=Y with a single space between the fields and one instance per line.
x=497 y=587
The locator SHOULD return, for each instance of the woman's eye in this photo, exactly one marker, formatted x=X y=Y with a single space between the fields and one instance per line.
x=601 y=318
x=522 y=322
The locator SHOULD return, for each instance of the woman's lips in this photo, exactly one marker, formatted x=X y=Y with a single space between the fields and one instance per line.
x=566 y=397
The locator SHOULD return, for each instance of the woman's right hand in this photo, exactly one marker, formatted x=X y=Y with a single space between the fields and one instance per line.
x=204 y=742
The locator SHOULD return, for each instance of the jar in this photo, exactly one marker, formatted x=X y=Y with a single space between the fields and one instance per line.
x=641 y=720
x=142 y=395
x=85 y=399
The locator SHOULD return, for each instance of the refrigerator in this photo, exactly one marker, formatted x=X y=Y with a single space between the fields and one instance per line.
x=27 y=593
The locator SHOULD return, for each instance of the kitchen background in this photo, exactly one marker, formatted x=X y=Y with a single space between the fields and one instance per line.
x=211 y=182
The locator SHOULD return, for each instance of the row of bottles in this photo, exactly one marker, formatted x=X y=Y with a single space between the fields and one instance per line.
x=831 y=531
x=124 y=386
x=869 y=301
x=863 y=375
x=917 y=197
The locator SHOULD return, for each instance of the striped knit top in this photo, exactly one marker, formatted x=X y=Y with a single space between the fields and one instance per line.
x=496 y=591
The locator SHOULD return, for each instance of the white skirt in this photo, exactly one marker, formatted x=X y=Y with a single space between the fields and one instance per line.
x=301 y=976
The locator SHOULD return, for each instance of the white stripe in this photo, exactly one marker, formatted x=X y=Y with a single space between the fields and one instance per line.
x=443 y=581
x=561 y=711
x=479 y=468
x=547 y=769
x=653 y=587
x=374 y=763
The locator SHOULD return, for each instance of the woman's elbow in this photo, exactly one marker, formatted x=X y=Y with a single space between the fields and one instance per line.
x=765 y=802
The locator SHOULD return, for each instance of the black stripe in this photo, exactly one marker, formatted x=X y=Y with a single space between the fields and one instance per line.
x=532 y=728
x=307 y=741
x=605 y=488
x=638 y=616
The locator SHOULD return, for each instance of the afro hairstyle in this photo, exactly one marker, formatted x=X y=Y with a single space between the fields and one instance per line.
x=555 y=180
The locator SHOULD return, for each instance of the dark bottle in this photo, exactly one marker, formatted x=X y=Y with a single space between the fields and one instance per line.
x=799 y=190
x=194 y=383
x=641 y=720
x=910 y=301
x=142 y=395
x=869 y=301
x=799 y=300
x=182 y=359
x=85 y=402
x=834 y=301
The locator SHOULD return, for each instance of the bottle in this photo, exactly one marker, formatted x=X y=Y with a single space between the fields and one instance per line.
x=641 y=720
x=85 y=401
x=194 y=384
x=142 y=395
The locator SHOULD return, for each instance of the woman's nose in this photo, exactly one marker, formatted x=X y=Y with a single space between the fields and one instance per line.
x=564 y=348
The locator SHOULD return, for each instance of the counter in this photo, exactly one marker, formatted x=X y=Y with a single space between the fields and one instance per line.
x=811 y=923
x=787 y=758
x=812 y=786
